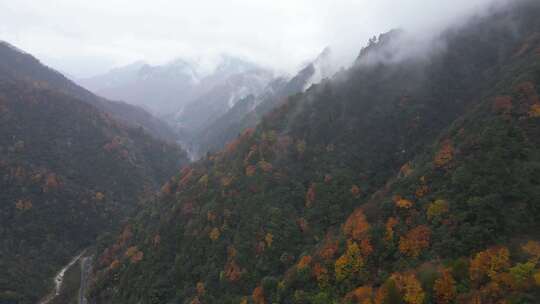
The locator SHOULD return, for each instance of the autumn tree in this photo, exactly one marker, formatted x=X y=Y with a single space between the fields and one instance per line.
x=356 y=227
x=437 y=208
x=445 y=287
x=414 y=241
x=489 y=263
x=390 y=224
x=349 y=263
x=258 y=295
x=410 y=287
x=444 y=155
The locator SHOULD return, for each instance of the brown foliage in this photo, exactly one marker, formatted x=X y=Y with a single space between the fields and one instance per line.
x=502 y=105
x=355 y=191
x=23 y=204
x=444 y=155
x=445 y=287
x=489 y=263
x=304 y=262
x=415 y=240
x=392 y=221
x=356 y=226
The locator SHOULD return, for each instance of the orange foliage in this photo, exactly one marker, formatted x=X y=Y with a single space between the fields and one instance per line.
x=258 y=295
x=392 y=221
x=166 y=189
x=232 y=271
x=250 y=170
x=361 y=295
x=528 y=91
x=489 y=263
x=414 y=241
x=355 y=191
x=402 y=202
x=115 y=264
x=349 y=263
x=51 y=182
x=445 y=154
x=320 y=272
x=365 y=247
x=356 y=226
x=310 y=196
x=329 y=250
x=304 y=262
x=445 y=287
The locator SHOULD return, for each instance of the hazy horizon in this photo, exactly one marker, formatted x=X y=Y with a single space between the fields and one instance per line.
x=82 y=39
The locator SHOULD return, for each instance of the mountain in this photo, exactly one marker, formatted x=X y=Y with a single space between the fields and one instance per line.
x=69 y=169
x=181 y=91
x=247 y=112
x=20 y=65
x=412 y=177
x=160 y=89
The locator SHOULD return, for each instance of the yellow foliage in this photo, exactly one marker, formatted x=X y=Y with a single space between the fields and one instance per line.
x=99 y=196
x=204 y=180
x=534 y=111
x=532 y=248
x=411 y=288
x=349 y=263
x=265 y=166
x=131 y=251
x=269 y=238
x=537 y=278
x=214 y=234
x=437 y=208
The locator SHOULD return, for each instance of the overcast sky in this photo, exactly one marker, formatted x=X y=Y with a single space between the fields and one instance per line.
x=85 y=37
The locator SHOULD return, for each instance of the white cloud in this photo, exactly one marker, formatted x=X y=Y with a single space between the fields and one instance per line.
x=83 y=37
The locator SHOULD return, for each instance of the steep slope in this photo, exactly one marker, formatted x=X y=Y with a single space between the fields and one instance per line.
x=69 y=172
x=390 y=183
x=18 y=65
x=247 y=112
x=161 y=89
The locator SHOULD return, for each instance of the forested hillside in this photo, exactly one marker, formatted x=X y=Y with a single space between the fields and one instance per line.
x=413 y=177
x=68 y=172
x=17 y=65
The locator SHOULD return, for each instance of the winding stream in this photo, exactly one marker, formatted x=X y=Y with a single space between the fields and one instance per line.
x=59 y=280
